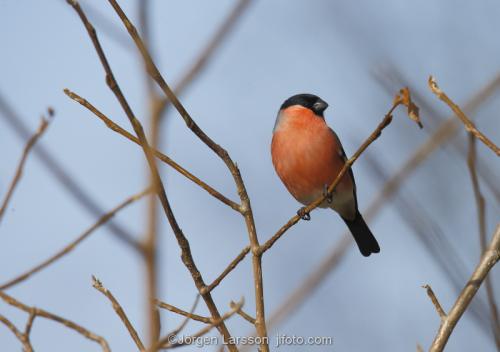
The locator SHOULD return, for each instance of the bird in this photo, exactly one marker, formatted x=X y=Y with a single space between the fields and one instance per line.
x=307 y=156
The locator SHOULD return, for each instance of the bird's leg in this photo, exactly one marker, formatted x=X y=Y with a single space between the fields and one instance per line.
x=304 y=215
x=328 y=196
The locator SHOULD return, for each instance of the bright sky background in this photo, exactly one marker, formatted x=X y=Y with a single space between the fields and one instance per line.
x=279 y=48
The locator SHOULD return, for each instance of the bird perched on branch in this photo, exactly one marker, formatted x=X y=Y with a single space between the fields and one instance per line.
x=308 y=156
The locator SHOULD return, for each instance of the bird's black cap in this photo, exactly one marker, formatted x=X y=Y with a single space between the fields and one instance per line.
x=309 y=101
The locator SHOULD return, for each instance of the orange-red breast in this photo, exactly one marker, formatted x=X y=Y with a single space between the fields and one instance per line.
x=308 y=156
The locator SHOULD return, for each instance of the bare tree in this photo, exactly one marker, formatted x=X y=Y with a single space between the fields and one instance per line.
x=160 y=97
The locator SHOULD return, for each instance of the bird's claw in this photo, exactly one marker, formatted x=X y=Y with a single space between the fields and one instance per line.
x=304 y=215
x=328 y=196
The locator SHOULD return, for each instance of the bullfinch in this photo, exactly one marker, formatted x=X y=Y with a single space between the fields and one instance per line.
x=308 y=156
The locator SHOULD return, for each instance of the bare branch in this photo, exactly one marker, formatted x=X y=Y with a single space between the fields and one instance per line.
x=110 y=29
x=11 y=327
x=143 y=7
x=47 y=315
x=244 y=315
x=24 y=338
x=166 y=343
x=469 y=125
x=484 y=168
x=186 y=320
x=71 y=246
x=119 y=311
x=481 y=215
x=29 y=323
x=480 y=202
x=19 y=170
x=489 y=258
x=118 y=129
x=179 y=311
x=435 y=301
x=19 y=335
x=228 y=269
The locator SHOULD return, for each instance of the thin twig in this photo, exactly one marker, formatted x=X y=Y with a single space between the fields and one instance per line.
x=71 y=246
x=480 y=202
x=47 y=315
x=403 y=99
x=19 y=335
x=484 y=168
x=244 y=315
x=60 y=173
x=166 y=342
x=489 y=258
x=469 y=125
x=19 y=170
x=179 y=311
x=119 y=311
x=11 y=327
x=120 y=130
x=435 y=301
x=186 y=320
x=228 y=269
x=108 y=27
x=481 y=216
x=29 y=322
x=24 y=338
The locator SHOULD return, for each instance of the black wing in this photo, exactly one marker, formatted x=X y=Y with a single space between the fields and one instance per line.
x=351 y=174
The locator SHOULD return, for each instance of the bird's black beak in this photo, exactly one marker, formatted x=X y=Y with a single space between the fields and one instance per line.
x=320 y=106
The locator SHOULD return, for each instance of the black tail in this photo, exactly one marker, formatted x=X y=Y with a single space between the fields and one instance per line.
x=362 y=235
